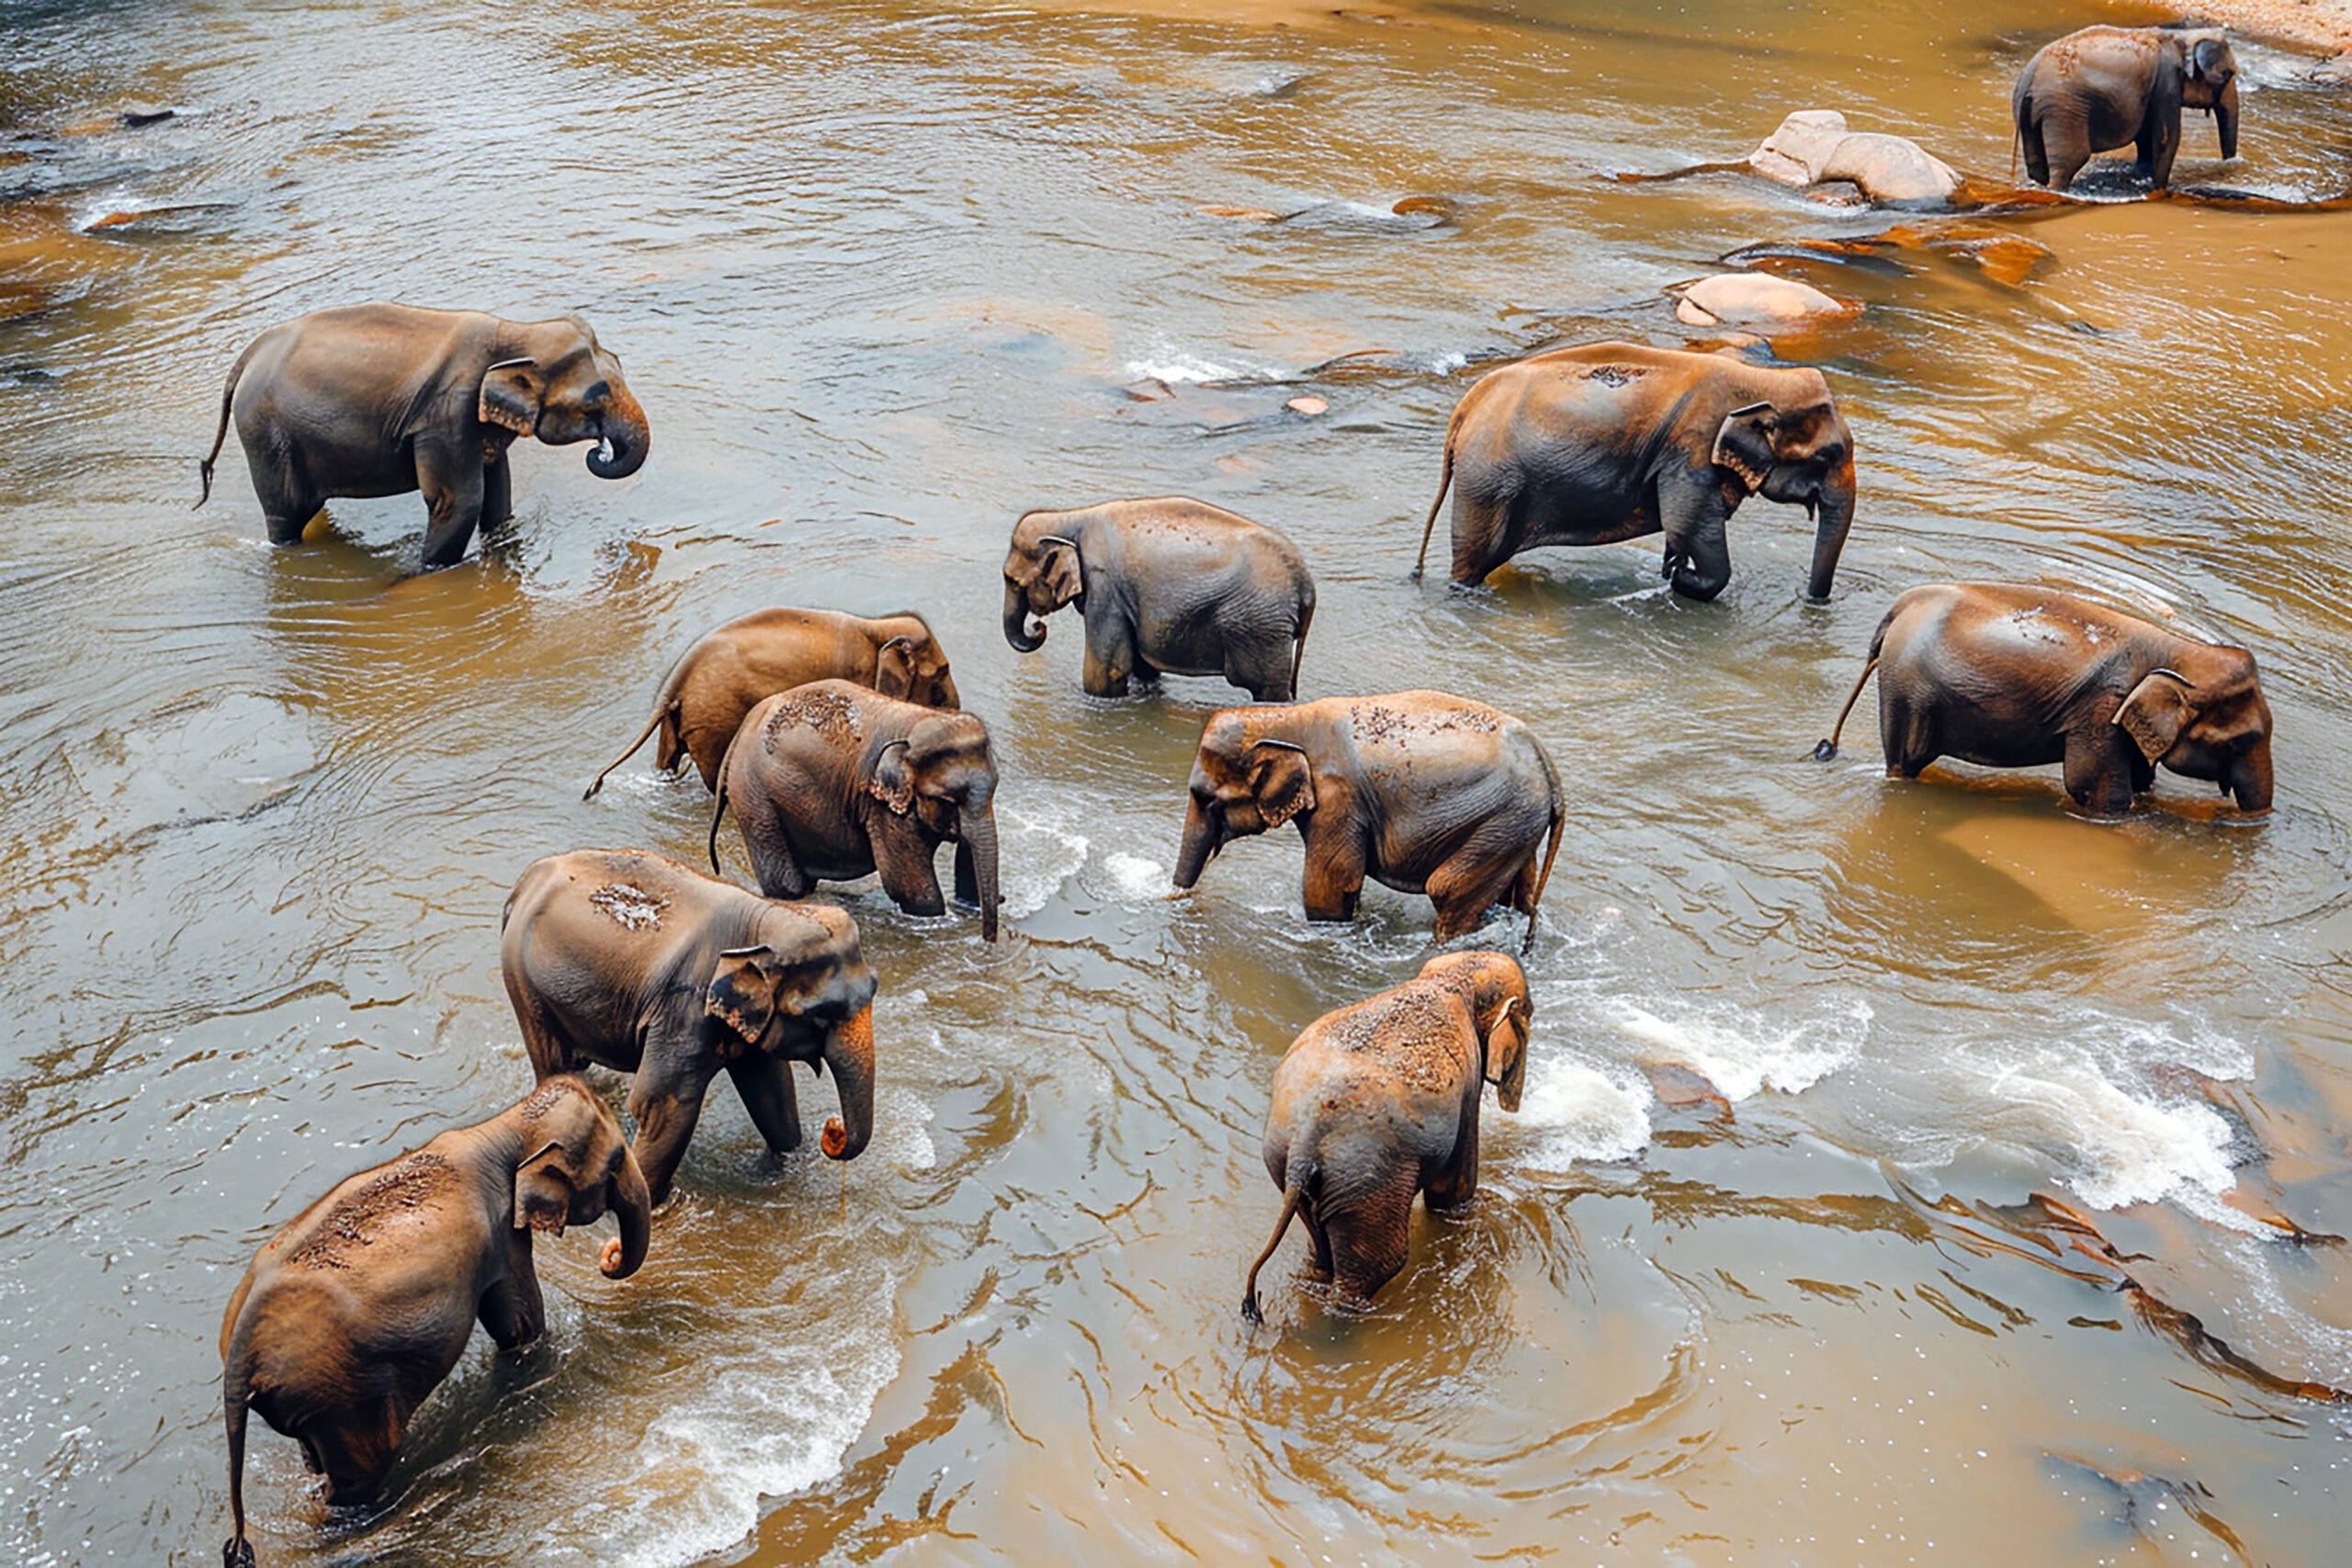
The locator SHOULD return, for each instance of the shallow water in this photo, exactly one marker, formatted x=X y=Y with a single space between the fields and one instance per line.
x=886 y=278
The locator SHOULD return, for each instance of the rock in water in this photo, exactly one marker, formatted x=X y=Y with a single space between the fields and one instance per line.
x=1754 y=299
x=1813 y=146
x=1797 y=153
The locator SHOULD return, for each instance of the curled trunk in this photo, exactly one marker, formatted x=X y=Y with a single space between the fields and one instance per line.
x=849 y=1056
x=1023 y=631
x=626 y=433
x=1829 y=533
x=978 y=829
x=632 y=1205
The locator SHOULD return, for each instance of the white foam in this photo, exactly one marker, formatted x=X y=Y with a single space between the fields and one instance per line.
x=2129 y=1150
x=1741 y=1053
x=1133 y=876
x=1040 y=849
x=1165 y=362
x=1570 y=1112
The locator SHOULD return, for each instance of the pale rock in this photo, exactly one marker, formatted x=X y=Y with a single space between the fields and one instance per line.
x=1796 y=154
x=1753 y=298
x=1891 y=168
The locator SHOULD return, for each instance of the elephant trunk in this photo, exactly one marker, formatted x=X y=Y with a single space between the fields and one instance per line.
x=2249 y=778
x=1829 y=534
x=1022 y=629
x=849 y=1056
x=1200 y=843
x=978 y=830
x=632 y=1205
x=626 y=434
x=2226 y=119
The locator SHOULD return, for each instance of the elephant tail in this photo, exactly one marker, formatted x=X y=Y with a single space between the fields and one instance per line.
x=1444 y=484
x=718 y=810
x=1298 y=649
x=1828 y=748
x=235 y=1391
x=666 y=708
x=1543 y=877
x=219 y=434
x=1292 y=1196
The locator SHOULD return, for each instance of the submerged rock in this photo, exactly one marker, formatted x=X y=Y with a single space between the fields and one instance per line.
x=1755 y=299
x=1814 y=147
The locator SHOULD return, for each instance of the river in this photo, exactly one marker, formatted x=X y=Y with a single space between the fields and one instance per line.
x=1906 y=1172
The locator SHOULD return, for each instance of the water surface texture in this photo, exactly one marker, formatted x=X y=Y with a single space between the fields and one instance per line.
x=1907 y=1173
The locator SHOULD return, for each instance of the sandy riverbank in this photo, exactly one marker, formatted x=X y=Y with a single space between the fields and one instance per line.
x=2322 y=26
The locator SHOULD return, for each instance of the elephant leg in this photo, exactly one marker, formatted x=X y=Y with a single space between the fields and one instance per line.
x=779 y=874
x=512 y=1310
x=1261 y=666
x=550 y=1054
x=1480 y=876
x=2098 y=769
x=1336 y=865
x=1371 y=1240
x=967 y=877
x=2158 y=144
x=666 y=1106
x=289 y=500
x=1698 y=554
x=355 y=1452
x=2066 y=140
x=1322 y=1240
x=1483 y=530
x=906 y=860
x=2037 y=158
x=1906 y=733
x=765 y=1085
x=453 y=485
x=497 y=492
x=1452 y=1186
x=1110 y=657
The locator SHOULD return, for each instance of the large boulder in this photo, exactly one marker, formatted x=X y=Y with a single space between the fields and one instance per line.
x=1813 y=146
x=1755 y=299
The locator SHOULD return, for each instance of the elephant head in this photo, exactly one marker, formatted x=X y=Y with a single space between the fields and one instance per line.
x=1797 y=449
x=1041 y=575
x=574 y=1166
x=566 y=387
x=2217 y=729
x=2208 y=81
x=1239 y=787
x=807 y=994
x=912 y=668
x=1493 y=988
x=943 y=775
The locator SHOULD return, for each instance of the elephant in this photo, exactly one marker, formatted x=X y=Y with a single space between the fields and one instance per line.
x=1379 y=1102
x=2106 y=87
x=1614 y=441
x=383 y=400
x=629 y=959
x=2007 y=675
x=359 y=1308
x=1167 y=585
x=831 y=782
x=1421 y=791
x=723 y=676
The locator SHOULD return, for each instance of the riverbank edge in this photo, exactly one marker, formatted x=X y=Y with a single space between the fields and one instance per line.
x=2320 y=27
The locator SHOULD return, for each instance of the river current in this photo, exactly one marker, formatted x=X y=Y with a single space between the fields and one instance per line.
x=1906 y=1172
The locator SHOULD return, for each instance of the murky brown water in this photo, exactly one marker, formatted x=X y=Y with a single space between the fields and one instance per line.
x=884 y=277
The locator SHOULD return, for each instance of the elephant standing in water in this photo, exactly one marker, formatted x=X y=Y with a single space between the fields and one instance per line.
x=356 y=1311
x=830 y=783
x=383 y=400
x=2011 y=676
x=647 y=966
x=1379 y=1102
x=1420 y=791
x=2105 y=87
x=724 y=676
x=1614 y=441
x=1167 y=586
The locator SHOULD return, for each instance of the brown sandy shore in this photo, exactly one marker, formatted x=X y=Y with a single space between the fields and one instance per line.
x=2322 y=26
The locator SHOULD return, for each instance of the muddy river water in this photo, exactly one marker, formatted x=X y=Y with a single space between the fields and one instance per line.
x=1906 y=1173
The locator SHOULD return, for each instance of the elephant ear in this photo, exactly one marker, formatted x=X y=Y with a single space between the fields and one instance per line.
x=2156 y=711
x=894 y=668
x=1280 y=781
x=1061 y=572
x=511 y=392
x=544 y=1185
x=1744 y=443
x=893 y=783
x=1506 y=1040
x=742 y=993
x=2207 y=60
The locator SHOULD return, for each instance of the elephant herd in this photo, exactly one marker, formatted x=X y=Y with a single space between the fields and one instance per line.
x=840 y=745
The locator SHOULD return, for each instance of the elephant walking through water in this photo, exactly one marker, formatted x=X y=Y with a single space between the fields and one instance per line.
x=2105 y=87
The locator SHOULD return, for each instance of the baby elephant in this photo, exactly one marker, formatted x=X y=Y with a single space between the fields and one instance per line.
x=722 y=676
x=830 y=783
x=2008 y=676
x=1167 y=586
x=1378 y=1102
x=649 y=967
x=1420 y=791
x=349 y=1316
